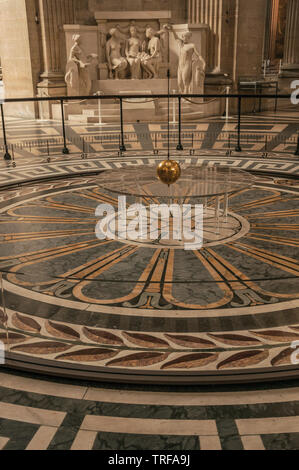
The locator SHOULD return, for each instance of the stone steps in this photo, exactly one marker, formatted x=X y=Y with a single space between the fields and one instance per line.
x=85 y=119
x=104 y=112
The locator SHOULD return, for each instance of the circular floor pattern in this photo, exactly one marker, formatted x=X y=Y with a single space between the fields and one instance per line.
x=217 y=230
x=82 y=307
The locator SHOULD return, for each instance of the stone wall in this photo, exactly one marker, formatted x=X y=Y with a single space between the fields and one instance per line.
x=20 y=53
x=85 y=9
x=250 y=35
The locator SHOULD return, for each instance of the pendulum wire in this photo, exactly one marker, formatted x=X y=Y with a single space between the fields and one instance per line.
x=168 y=77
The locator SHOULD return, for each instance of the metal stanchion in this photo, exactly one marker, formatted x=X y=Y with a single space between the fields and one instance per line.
x=156 y=150
x=122 y=147
x=238 y=147
x=192 y=150
x=65 y=150
x=4 y=310
x=84 y=155
x=48 y=152
x=229 y=151
x=180 y=146
x=7 y=155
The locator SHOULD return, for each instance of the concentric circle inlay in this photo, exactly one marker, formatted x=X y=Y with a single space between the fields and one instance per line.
x=72 y=299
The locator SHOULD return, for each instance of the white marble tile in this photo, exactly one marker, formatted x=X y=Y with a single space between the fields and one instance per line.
x=150 y=426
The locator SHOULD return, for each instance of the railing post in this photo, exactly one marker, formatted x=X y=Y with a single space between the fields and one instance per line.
x=276 y=93
x=229 y=152
x=122 y=146
x=7 y=155
x=65 y=150
x=265 y=154
x=48 y=150
x=192 y=150
x=180 y=146
x=238 y=147
x=297 y=149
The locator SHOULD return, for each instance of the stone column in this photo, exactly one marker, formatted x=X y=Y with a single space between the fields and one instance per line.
x=250 y=31
x=53 y=15
x=271 y=29
x=291 y=49
x=20 y=54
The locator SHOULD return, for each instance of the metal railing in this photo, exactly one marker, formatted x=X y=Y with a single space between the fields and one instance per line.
x=236 y=137
x=189 y=141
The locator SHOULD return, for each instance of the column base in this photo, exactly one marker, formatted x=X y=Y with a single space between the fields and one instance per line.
x=290 y=71
x=288 y=75
x=51 y=86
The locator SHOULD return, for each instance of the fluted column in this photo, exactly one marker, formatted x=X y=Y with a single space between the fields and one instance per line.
x=291 y=48
x=271 y=30
x=209 y=12
x=53 y=15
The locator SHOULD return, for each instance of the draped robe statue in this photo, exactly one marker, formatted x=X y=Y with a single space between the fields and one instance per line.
x=134 y=53
x=77 y=70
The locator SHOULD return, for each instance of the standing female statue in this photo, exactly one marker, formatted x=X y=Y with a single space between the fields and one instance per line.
x=77 y=70
x=116 y=62
x=133 y=53
x=191 y=73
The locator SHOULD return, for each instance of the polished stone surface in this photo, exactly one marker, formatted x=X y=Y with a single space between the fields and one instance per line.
x=50 y=414
x=72 y=299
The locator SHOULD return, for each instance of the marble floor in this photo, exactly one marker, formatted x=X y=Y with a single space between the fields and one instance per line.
x=38 y=413
x=120 y=307
x=73 y=303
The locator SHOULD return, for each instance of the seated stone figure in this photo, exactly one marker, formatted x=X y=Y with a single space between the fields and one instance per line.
x=116 y=62
x=150 y=61
x=134 y=53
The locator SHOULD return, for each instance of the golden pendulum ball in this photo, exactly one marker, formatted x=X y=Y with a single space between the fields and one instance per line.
x=168 y=171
